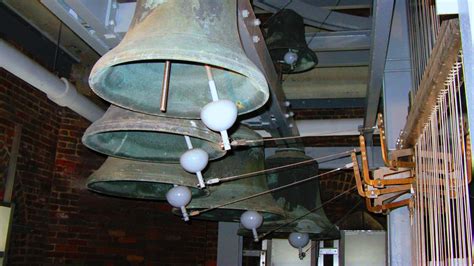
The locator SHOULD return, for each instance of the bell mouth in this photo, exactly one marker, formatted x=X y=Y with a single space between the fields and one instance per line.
x=138 y=189
x=228 y=215
x=149 y=146
x=188 y=87
x=306 y=61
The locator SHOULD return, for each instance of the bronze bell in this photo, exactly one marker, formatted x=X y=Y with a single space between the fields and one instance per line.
x=240 y=161
x=296 y=200
x=141 y=180
x=188 y=34
x=286 y=37
x=131 y=135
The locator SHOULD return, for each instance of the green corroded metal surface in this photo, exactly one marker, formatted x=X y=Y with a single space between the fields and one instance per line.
x=239 y=161
x=131 y=135
x=141 y=180
x=296 y=200
x=190 y=34
x=286 y=32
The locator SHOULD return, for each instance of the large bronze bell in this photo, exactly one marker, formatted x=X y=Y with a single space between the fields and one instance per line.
x=141 y=180
x=131 y=135
x=297 y=200
x=240 y=161
x=286 y=35
x=189 y=34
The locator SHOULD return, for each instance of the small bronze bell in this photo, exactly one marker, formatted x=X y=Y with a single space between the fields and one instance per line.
x=296 y=200
x=287 y=44
x=141 y=180
x=131 y=135
x=184 y=36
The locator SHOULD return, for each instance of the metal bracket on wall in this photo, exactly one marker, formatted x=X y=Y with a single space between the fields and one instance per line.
x=386 y=184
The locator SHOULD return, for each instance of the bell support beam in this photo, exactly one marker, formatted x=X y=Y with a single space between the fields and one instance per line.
x=339 y=40
x=382 y=20
x=256 y=50
x=315 y=15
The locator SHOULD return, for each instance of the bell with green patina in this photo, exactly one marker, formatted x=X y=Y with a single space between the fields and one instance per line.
x=238 y=162
x=296 y=200
x=189 y=34
x=131 y=135
x=141 y=180
x=287 y=44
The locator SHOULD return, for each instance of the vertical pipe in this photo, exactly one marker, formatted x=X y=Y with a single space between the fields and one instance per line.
x=165 y=86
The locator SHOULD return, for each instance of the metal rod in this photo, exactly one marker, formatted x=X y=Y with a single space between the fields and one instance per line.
x=165 y=86
x=194 y=213
x=235 y=177
x=442 y=218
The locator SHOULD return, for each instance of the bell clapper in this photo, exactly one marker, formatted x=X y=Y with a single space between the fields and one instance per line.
x=219 y=115
x=301 y=254
x=165 y=86
x=252 y=220
x=194 y=161
x=179 y=197
x=299 y=240
x=255 y=234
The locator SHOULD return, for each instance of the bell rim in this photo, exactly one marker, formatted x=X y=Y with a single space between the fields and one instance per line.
x=201 y=192
x=123 y=55
x=150 y=124
x=126 y=170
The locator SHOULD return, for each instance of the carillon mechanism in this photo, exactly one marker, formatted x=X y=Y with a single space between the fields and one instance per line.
x=240 y=161
x=159 y=67
x=287 y=44
x=297 y=201
x=385 y=185
x=141 y=180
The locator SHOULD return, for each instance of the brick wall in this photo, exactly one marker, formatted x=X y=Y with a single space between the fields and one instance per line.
x=57 y=221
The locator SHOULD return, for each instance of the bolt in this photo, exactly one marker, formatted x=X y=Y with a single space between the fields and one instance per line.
x=255 y=39
x=290 y=125
x=257 y=22
x=114 y=5
x=245 y=13
x=91 y=32
x=287 y=103
x=112 y=22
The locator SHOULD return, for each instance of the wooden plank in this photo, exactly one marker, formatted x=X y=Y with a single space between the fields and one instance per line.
x=442 y=58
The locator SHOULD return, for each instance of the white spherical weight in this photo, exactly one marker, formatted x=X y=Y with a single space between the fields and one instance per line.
x=178 y=196
x=194 y=160
x=251 y=219
x=219 y=115
x=298 y=240
x=290 y=57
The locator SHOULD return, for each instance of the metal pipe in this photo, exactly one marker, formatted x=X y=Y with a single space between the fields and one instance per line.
x=60 y=91
x=165 y=86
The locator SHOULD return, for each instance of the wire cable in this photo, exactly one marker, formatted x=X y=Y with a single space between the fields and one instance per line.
x=194 y=213
x=230 y=178
x=309 y=212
